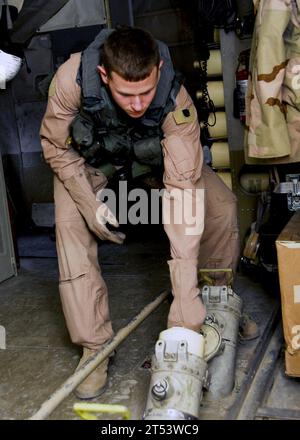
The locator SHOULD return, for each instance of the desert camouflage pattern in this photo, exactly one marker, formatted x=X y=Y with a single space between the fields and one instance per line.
x=273 y=95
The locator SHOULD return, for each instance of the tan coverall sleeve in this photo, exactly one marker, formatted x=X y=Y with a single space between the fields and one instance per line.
x=63 y=105
x=183 y=160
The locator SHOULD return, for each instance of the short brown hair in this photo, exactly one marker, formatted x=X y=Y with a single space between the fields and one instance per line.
x=130 y=52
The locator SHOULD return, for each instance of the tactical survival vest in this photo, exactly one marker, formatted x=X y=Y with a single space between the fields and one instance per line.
x=104 y=135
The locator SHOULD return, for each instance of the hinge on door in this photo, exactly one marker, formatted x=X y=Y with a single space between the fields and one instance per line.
x=14 y=265
x=2 y=338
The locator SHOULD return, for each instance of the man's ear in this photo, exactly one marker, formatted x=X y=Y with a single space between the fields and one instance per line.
x=101 y=70
x=160 y=64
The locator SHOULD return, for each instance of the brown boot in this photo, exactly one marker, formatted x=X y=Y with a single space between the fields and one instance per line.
x=248 y=328
x=95 y=384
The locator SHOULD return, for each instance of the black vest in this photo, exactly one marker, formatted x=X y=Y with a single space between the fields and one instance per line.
x=104 y=134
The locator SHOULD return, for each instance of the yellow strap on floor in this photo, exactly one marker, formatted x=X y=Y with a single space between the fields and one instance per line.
x=208 y=280
x=86 y=410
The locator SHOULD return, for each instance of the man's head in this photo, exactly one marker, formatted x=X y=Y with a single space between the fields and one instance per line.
x=130 y=67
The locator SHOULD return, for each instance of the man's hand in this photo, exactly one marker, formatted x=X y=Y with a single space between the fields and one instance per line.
x=103 y=216
x=95 y=213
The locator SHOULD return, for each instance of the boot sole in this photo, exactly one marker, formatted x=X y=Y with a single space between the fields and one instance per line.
x=248 y=338
x=86 y=396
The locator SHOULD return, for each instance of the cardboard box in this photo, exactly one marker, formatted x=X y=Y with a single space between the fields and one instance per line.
x=288 y=252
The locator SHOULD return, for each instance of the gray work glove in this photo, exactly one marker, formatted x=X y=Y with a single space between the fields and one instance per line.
x=95 y=213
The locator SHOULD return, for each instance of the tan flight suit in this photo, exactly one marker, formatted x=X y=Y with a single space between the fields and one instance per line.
x=82 y=288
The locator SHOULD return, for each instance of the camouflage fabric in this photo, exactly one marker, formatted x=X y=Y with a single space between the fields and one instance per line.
x=273 y=96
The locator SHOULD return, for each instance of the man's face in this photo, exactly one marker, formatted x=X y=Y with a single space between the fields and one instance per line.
x=132 y=97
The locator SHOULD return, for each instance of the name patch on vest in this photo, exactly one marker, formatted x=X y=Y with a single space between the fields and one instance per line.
x=185 y=115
